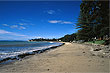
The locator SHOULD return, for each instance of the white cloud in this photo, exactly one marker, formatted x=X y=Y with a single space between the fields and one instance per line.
x=23 y=23
x=33 y=37
x=54 y=21
x=17 y=34
x=38 y=37
x=5 y=24
x=21 y=27
x=4 y=32
x=60 y=22
x=10 y=33
x=67 y=22
x=18 y=27
x=14 y=26
x=50 y=11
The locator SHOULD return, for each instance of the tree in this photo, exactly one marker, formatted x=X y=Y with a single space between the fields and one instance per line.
x=93 y=19
x=68 y=38
x=84 y=21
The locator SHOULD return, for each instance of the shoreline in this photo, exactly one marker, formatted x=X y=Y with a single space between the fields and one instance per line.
x=21 y=56
x=71 y=57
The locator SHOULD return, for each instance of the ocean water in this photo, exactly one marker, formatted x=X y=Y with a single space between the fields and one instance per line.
x=14 y=48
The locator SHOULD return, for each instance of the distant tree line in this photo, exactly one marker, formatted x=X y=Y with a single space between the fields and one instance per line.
x=68 y=38
x=43 y=39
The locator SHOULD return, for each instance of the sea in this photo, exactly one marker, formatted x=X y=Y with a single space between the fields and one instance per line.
x=14 y=48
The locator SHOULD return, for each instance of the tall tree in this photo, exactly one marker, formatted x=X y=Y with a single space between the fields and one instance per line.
x=93 y=20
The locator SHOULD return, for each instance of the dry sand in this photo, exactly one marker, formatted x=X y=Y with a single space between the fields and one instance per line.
x=69 y=58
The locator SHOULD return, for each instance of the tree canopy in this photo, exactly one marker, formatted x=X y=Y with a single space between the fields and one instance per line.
x=93 y=20
x=68 y=38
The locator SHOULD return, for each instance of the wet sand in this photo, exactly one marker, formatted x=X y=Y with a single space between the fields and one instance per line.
x=69 y=58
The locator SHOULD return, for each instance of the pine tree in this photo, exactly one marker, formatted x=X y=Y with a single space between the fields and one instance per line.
x=93 y=20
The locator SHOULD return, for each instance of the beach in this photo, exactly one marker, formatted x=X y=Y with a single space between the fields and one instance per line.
x=69 y=58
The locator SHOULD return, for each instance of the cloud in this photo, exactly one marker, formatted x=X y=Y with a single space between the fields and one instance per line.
x=33 y=37
x=26 y=23
x=53 y=11
x=5 y=24
x=4 y=32
x=18 y=27
x=17 y=34
x=7 y=35
x=66 y=22
x=21 y=24
x=50 y=11
x=14 y=26
x=60 y=22
x=10 y=33
x=21 y=27
x=11 y=26
x=54 y=21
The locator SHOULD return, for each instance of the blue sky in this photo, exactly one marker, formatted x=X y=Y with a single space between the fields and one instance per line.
x=23 y=20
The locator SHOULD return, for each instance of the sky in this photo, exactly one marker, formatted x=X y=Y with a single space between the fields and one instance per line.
x=23 y=20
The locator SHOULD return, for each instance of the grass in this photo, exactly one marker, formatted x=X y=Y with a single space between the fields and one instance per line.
x=97 y=42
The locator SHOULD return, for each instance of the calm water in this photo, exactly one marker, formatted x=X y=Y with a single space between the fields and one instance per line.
x=13 y=48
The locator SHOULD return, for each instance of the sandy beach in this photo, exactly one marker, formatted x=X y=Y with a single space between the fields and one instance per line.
x=69 y=58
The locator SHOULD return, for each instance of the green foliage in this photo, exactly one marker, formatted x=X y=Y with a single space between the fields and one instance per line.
x=68 y=38
x=93 y=20
x=97 y=42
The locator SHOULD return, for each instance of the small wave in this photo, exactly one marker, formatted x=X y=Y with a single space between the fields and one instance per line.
x=51 y=42
x=3 y=53
x=15 y=54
